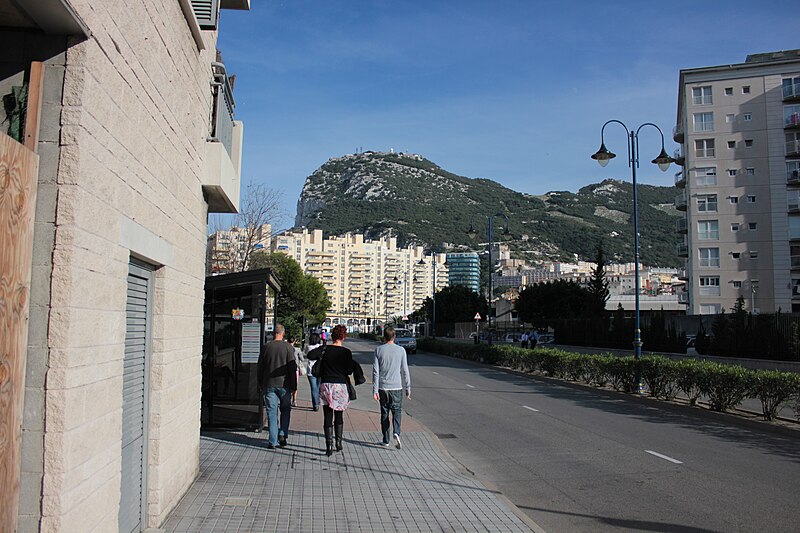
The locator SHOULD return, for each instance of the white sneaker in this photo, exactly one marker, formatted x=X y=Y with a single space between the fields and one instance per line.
x=383 y=444
x=397 y=441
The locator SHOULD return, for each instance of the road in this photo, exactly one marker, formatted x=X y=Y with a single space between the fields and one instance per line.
x=577 y=459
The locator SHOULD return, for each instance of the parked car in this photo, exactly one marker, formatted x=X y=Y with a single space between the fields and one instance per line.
x=511 y=338
x=405 y=338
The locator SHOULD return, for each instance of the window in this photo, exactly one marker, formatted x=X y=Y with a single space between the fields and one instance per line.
x=731 y=144
x=753 y=255
x=704 y=147
x=736 y=255
x=746 y=89
x=748 y=143
x=747 y=117
x=752 y=226
x=709 y=286
x=794 y=227
x=709 y=257
x=792 y=170
x=791 y=87
x=734 y=226
x=704 y=122
x=736 y=284
x=733 y=199
x=705 y=176
x=707 y=202
x=751 y=198
x=728 y=91
x=791 y=115
x=731 y=172
x=792 y=143
x=750 y=171
x=708 y=230
x=729 y=118
x=701 y=95
x=710 y=309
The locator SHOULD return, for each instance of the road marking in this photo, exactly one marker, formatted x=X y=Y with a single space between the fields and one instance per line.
x=530 y=409
x=470 y=386
x=436 y=373
x=670 y=459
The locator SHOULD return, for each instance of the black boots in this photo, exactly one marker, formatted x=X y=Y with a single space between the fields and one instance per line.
x=328 y=440
x=339 y=430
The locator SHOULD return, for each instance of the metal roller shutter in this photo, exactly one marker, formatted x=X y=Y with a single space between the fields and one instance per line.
x=134 y=399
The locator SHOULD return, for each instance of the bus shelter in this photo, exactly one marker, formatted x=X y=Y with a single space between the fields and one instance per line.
x=237 y=307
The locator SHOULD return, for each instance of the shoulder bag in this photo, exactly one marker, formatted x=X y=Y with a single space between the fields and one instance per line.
x=316 y=370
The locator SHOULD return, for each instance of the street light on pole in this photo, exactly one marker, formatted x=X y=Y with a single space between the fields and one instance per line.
x=603 y=156
x=422 y=262
x=490 y=229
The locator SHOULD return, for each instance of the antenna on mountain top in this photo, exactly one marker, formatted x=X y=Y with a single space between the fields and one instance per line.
x=391 y=150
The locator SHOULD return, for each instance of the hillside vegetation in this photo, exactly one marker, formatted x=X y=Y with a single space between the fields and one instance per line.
x=419 y=202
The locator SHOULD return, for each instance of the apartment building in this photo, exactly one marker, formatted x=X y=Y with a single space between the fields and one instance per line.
x=368 y=281
x=464 y=268
x=229 y=251
x=122 y=141
x=739 y=130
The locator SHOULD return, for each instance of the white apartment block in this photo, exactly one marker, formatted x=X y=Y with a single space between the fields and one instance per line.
x=368 y=281
x=228 y=250
x=739 y=127
x=129 y=143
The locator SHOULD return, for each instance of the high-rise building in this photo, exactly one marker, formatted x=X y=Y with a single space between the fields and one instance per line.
x=367 y=281
x=464 y=268
x=739 y=127
x=230 y=250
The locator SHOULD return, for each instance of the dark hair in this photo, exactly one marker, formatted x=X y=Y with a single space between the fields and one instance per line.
x=314 y=338
x=388 y=333
x=339 y=332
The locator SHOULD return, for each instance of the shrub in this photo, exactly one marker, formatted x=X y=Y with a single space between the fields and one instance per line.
x=660 y=374
x=725 y=385
x=774 y=388
x=597 y=371
x=622 y=373
x=689 y=375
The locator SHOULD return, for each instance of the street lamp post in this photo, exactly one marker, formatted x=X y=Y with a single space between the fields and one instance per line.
x=490 y=229
x=603 y=156
x=422 y=262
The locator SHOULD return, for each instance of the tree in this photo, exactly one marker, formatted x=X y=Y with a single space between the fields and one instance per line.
x=598 y=286
x=454 y=304
x=544 y=302
x=302 y=295
x=260 y=206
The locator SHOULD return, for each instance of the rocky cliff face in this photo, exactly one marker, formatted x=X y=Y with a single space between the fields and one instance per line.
x=419 y=202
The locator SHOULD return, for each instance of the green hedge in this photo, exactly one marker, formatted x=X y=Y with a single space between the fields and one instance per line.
x=725 y=386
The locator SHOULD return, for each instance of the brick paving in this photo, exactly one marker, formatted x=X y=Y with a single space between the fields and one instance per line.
x=244 y=488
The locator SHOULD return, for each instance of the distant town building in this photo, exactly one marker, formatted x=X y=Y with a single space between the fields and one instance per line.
x=227 y=250
x=739 y=130
x=368 y=281
x=464 y=268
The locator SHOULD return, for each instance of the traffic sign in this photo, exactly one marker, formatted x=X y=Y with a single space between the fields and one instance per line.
x=477 y=316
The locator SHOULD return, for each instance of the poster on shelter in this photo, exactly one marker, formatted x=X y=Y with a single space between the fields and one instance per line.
x=251 y=345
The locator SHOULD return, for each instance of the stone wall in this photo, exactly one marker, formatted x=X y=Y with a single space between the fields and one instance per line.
x=130 y=134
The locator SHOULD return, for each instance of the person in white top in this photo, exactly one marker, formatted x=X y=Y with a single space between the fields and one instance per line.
x=390 y=377
x=313 y=342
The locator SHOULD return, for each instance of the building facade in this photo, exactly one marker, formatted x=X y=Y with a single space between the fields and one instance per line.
x=368 y=281
x=128 y=109
x=464 y=268
x=229 y=251
x=739 y=130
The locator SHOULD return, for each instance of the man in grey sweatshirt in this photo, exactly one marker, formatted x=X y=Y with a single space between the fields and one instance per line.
x=390 y=377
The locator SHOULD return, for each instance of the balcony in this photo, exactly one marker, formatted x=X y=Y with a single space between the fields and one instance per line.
x=680 y=202
x=793 y=148
x=682 y=225
x=680 y=159
x=795 y=262
x=677 y=134
x=791 y=121
x=794 y=205
x=223 y=158
x=683 y=298
x=682 y=249
x=680 y=180
x=683 y=275
x=793 y=177
x=791 y=91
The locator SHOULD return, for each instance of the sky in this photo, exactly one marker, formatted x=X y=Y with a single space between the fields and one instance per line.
x=516 y=91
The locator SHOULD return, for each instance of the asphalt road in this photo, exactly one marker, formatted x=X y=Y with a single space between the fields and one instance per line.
x=577 y=459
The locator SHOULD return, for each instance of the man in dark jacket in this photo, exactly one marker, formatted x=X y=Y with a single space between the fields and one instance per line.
x=277 y=378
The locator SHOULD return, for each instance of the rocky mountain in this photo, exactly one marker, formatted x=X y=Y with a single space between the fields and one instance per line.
x=411 y=197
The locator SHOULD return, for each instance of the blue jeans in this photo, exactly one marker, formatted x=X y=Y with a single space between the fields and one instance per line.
x=391 y=401
x=275 y=398
x=314 y=384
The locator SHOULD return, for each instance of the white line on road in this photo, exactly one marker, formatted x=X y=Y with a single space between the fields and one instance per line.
x=670 y=459
x=436 y=373
x=530 y=409
x=470 y=386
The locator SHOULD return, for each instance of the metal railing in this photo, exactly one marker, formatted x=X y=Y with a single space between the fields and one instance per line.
x=223 y=106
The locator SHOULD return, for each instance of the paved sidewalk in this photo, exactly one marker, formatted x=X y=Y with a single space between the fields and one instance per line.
x=244 y=487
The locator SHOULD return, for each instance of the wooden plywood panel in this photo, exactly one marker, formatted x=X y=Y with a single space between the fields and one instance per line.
x=18 y=171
